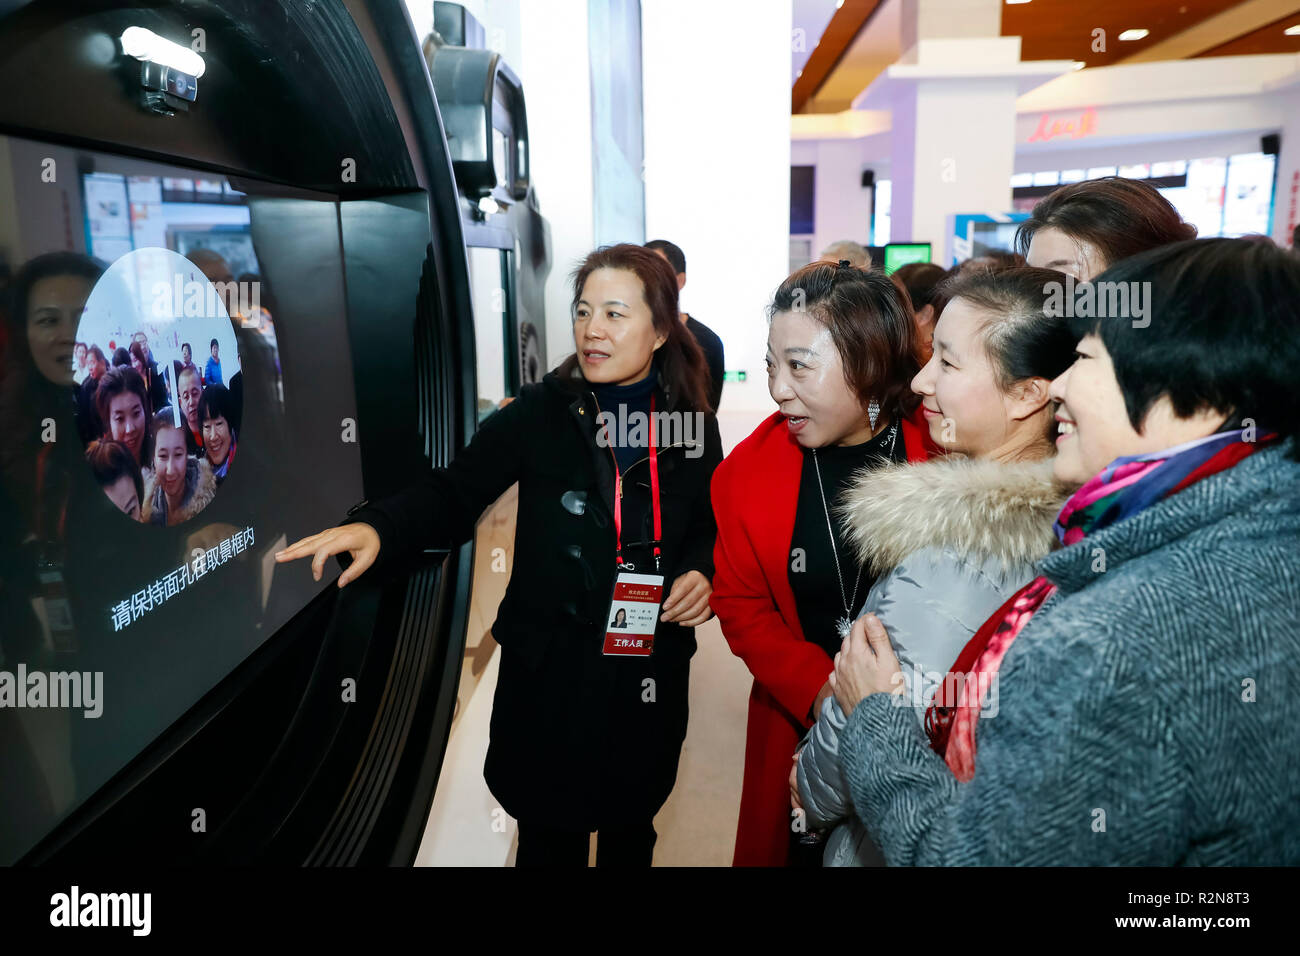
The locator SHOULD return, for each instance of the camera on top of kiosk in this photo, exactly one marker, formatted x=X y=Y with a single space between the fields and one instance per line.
x=169 y=72
x=482 y=106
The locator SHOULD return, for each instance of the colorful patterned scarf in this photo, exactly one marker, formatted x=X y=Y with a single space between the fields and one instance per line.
x=1122 y=489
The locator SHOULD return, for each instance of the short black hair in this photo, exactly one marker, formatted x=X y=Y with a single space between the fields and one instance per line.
x=676 y=258
x=109 y=461
x=1222 y=332
x=217 y=402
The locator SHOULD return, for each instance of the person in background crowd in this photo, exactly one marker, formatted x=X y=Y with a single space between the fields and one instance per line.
x=187 y=383
x=854 y=252
x=88 y=423
x=178 y=486
x=575 y=744
x=81 y=370
x=1083 y=228
x=922 y=281
x=219 y=440
x=122 y=405
x=212 y=371
x=118 y=474
x=708 y=339
x=841 y=355
x=1156 y=685
x=951 y=539
x=153 y=384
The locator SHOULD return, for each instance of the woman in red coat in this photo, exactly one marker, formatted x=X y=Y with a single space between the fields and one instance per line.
x=842 y=351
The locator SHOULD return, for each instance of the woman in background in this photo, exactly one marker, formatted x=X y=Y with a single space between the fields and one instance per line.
x=1083 y=228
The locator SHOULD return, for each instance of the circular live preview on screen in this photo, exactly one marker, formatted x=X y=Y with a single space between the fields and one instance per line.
x=159 y=401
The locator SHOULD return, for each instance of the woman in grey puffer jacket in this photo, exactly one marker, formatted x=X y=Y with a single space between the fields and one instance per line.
x=950 y=540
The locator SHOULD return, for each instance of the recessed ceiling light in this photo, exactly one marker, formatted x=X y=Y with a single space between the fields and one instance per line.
x=1133 y=34
x=1293 y=31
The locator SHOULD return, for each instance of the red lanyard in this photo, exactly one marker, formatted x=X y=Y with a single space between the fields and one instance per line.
x=654 y=494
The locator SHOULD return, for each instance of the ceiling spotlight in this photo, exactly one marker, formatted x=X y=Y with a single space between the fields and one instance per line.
x=1133 y=34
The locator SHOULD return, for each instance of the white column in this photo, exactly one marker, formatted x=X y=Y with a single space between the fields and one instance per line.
x=716 y=94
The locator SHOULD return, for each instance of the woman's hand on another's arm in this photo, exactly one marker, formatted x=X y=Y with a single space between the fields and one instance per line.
x=688 y=600
x=358 y=539
x=865 y=665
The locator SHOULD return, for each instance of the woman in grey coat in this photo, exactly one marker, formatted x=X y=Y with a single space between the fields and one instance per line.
x=1146 y=679
x=949 y=540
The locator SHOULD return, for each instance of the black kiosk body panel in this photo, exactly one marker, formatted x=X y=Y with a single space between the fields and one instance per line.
x=252 y=716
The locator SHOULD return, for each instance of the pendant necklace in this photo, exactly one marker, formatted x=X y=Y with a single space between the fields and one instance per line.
x=845 y=623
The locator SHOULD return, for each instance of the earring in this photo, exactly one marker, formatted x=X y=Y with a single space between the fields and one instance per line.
x=873 y=412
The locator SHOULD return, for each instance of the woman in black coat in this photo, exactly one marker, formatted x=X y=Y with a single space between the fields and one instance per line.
x=584 y=735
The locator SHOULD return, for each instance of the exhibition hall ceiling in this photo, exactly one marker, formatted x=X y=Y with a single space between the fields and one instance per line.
x=862 y=37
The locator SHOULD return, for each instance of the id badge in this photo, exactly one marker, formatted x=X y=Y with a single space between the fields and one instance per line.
x=633 y=614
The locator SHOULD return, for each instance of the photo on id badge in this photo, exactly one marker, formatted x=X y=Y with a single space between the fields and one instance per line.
x=633 y=614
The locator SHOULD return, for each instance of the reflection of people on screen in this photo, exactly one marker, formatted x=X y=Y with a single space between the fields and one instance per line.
x=215 y=411
x=620 y=619
x=122 y=403
x=118 y=475
x=191 y=390
x=212 y=371
x=177 y=487
x=147 y=370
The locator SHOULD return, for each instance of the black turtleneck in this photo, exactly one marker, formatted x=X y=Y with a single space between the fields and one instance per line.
x=816 y=587
x=621 y=401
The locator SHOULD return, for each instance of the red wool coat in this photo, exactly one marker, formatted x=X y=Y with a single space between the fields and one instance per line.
x=755 y=491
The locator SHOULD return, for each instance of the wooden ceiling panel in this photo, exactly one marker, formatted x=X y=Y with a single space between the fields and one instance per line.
x=848 y=20
x=1063 y=30
x=1267 y=39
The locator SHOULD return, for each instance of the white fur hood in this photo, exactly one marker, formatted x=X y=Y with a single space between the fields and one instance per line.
x=980 y=509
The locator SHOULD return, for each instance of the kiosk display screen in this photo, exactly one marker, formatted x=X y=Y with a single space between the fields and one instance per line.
x=176 y=404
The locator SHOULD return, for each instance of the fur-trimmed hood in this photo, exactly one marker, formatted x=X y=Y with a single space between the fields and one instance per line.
x=200 y=489
x=979 y=508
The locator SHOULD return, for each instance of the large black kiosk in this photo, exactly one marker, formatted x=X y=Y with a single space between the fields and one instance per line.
x=236 y=300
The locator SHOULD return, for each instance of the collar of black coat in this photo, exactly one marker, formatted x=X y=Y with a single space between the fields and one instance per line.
x=576 y=387
x=1256 y=499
